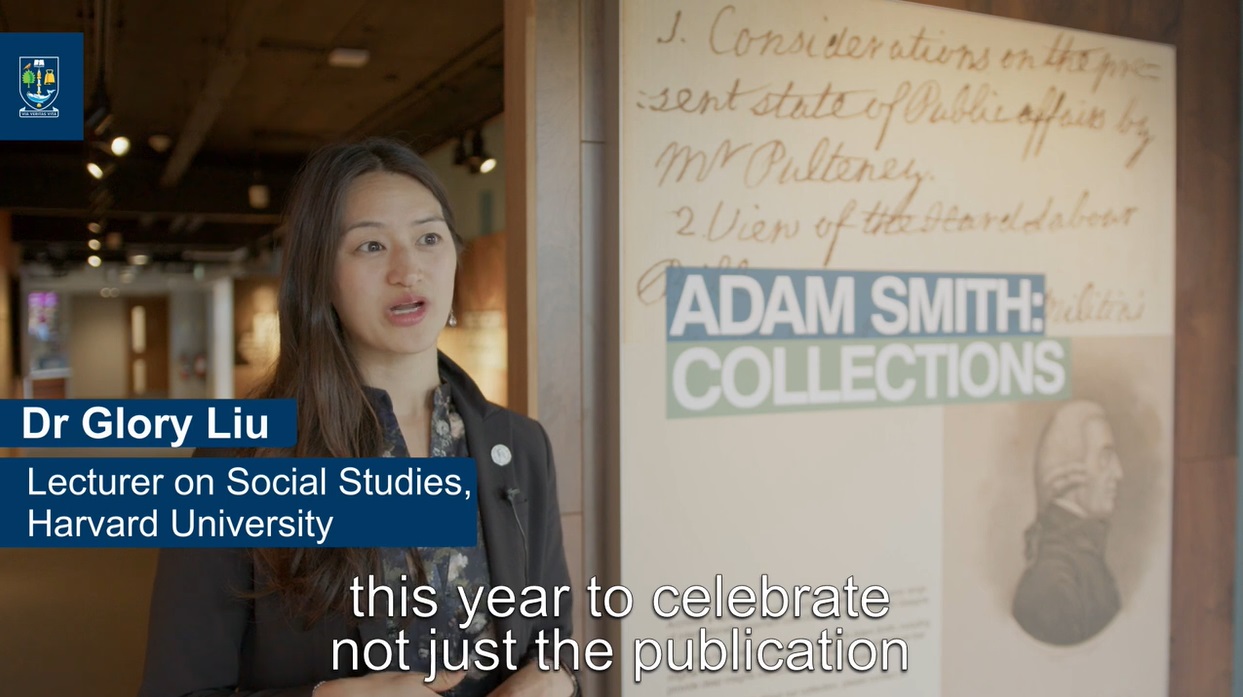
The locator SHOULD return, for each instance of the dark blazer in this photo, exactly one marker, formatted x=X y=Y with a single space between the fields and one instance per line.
x=206 y=641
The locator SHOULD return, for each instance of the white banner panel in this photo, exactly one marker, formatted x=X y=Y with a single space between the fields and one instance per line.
x=898 y=311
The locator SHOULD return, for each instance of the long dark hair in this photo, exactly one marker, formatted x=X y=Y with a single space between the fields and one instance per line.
x=315 y=367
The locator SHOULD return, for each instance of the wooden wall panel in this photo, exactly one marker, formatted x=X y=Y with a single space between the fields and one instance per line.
x=1208 y=229
x=553 y=127
x=557 y=262
x=1206 y=36
x=1201 y=651
x=1206 y=351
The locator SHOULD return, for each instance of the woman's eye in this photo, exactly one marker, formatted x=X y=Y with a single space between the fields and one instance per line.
x=431 y=238
x=370 y=246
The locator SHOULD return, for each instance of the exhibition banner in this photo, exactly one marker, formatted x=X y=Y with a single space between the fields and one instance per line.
x=897 y=322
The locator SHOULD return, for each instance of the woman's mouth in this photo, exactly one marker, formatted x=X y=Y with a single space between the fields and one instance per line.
x=407 y=308
x=408 y=313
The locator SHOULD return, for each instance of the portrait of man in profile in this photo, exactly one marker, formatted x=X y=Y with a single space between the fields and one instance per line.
x=1067 y=594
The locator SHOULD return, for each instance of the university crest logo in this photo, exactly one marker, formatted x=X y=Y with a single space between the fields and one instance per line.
x=37 y=83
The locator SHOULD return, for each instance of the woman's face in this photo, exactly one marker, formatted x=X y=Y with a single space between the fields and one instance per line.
x=393 y=283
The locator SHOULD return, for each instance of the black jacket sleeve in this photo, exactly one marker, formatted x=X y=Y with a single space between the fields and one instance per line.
x=198 y=625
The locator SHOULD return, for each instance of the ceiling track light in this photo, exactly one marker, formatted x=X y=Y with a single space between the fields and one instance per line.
x=117 y=146
x=349 y=57
x=100 y=117
x=99 y=170
x=478 y=161
x=99 y=166
x=258 y=194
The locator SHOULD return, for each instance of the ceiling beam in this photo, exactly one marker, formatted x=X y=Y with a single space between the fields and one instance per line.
x=243 y=37
x=397 y=114
x=39 y=232
x=478 y=98
x=61 y=186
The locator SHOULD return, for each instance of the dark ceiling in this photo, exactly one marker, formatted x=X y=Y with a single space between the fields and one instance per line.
x=244 y=90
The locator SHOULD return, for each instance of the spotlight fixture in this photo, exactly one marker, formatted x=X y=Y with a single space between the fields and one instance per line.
x=100 y=197
x=259 y=196
x=95 y=227
x=94 y=245
x=481 y=160
x=139 y=259
x=101 y=115
x=478 y=161
x=94 y=260
x=99 y=170
x=160 y=142
x=103 y=150
x=348 y=57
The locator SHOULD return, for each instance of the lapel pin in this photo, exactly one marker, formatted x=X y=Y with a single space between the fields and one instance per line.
x=501 y=455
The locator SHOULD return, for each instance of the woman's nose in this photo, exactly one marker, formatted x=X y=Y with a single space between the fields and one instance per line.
x=404 y=268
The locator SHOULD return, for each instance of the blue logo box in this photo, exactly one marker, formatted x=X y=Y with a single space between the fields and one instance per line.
x=45 y=86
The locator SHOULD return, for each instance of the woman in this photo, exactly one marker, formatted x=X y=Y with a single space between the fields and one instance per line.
x=367 y=285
